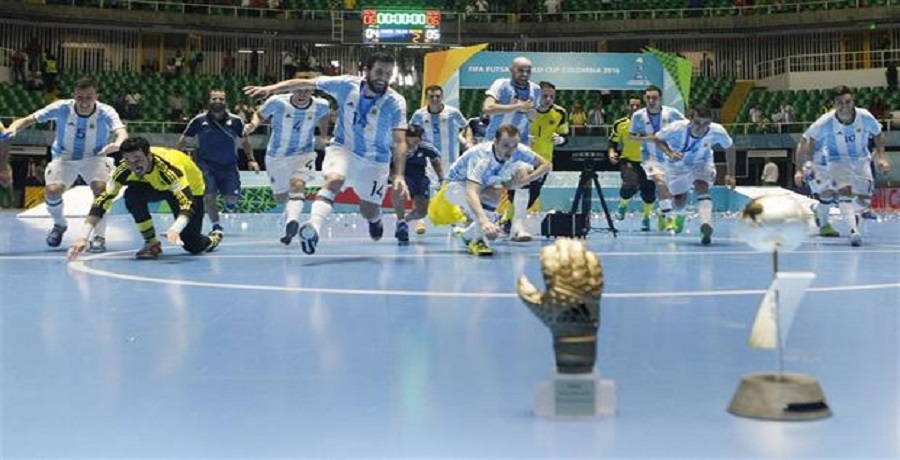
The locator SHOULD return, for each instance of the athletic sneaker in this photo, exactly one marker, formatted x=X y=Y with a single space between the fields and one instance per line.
x=309 y=238
x=402 y=233
x=480 y=248
x=679 y=223
x=645 y=224
x=54 y=238
x=828 y=231
x=213 y=243
x=376 y=230
x=217 y=230
x=621 y=210
x=855 y=238
x=420 y=228
x=521 y=236
x=662 y=223
x=706 y=231
x=97 y=245
x=290 y=231
x=150 y=251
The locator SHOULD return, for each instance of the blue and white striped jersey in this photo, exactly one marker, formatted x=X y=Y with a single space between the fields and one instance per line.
x=645 y=123
x=696 y=150
x=479 y=164
x=365 y=125
x=292 y=129
x=505 y=92
x=79 y=136
x=845 y=142
x=441 y=130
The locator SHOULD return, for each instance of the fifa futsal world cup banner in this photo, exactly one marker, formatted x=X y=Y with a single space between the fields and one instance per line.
x=473 y=68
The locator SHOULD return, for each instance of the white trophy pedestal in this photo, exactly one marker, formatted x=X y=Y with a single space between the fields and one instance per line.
x=575 y=397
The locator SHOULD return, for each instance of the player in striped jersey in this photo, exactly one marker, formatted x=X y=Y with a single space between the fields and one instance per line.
x=369 y=135
x=512 y=101
x=688 y=147
x=476 y=179
x=441 y=124
x=845 y=135
x=80 y=148
x=644 y=124
x=154 y=174
x=290 y=154
x=634 y=178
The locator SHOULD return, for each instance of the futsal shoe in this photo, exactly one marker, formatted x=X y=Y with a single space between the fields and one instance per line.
x=855 y=238
x=309 y=238
x=706 y=232
x=480 y=248
x=54 y=238
x=150 y=251
x=97 y=245
x=662 y=223
x=621 y=210
x=290 y=231
x=402 y=233
x=828 y=231
x=376 y=230
x=679 y=223
x=420 y=228
x=213 y=243
x=217 y=230
x=645 y=224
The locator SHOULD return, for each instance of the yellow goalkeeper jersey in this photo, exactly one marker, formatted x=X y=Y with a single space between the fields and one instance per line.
x=631 y=150
x=544 y=126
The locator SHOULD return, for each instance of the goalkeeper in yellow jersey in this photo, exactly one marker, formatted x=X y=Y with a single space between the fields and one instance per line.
x=634 y=178
x=546 y=132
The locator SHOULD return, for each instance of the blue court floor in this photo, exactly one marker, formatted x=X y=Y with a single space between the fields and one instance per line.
x=370 y=350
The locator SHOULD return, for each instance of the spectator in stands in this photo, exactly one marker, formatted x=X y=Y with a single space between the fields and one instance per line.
x=33 y=50
x=254 y=64
x=176 y=106
x=50 y=70
x=228 y=64
x=596 y=118
x=179 y=63
x=289 y=65
x=170 y=72
x=758 y=118
x=715 y=104
x=196 y=59
x=553 y=8
x=578 y=120
x=19 y=58
x=133 y=104
x=890 y=74
x=878 y=110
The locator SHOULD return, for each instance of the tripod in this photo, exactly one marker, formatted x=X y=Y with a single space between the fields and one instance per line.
x=583 y=194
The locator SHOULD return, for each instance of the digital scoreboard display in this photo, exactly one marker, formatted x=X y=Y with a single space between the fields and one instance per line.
x=387 y=27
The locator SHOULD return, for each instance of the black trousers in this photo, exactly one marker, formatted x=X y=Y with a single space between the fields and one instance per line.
x=138 y=198
x=635 y=179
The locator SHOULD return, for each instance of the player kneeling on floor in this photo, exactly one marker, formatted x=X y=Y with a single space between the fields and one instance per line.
x=155 y=174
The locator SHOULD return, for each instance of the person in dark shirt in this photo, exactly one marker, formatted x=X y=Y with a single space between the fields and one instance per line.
x=418 y=155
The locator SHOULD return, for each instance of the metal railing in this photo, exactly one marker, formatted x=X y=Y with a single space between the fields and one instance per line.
x=823 y=62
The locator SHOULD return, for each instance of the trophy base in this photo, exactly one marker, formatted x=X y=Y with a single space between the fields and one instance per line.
x=773 y=397
x=575 y=397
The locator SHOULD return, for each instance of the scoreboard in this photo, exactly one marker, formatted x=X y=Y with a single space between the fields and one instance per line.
x=388 y=27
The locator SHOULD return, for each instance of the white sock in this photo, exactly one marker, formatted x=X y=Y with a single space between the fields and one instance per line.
x=292 y=209
x=665 y=205
x=704 y=208
x=473 y=232
x=56 y=212
x=100 y=228
x=520 y=205
x=376 y=218
x=319 y=211
x=822 y=212
x=848 y=212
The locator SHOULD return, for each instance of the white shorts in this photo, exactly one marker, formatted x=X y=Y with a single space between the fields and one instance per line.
x=367 y=178
x=282 y=169
x=854 y=174
x=91 y=169
x=456 y=194
x=653 y=168
x=680 y=179
x=821 y=180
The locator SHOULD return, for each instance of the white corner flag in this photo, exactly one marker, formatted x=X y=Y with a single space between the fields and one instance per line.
x=776 y=311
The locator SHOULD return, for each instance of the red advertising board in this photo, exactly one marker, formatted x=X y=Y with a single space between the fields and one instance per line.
x=887 y=198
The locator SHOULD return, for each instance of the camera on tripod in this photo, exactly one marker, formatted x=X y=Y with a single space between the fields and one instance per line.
x=573 y=223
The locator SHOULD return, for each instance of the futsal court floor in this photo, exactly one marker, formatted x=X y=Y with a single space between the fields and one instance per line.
x=371 y=350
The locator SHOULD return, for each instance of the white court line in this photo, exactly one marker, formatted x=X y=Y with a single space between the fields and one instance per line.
x=81 y=267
